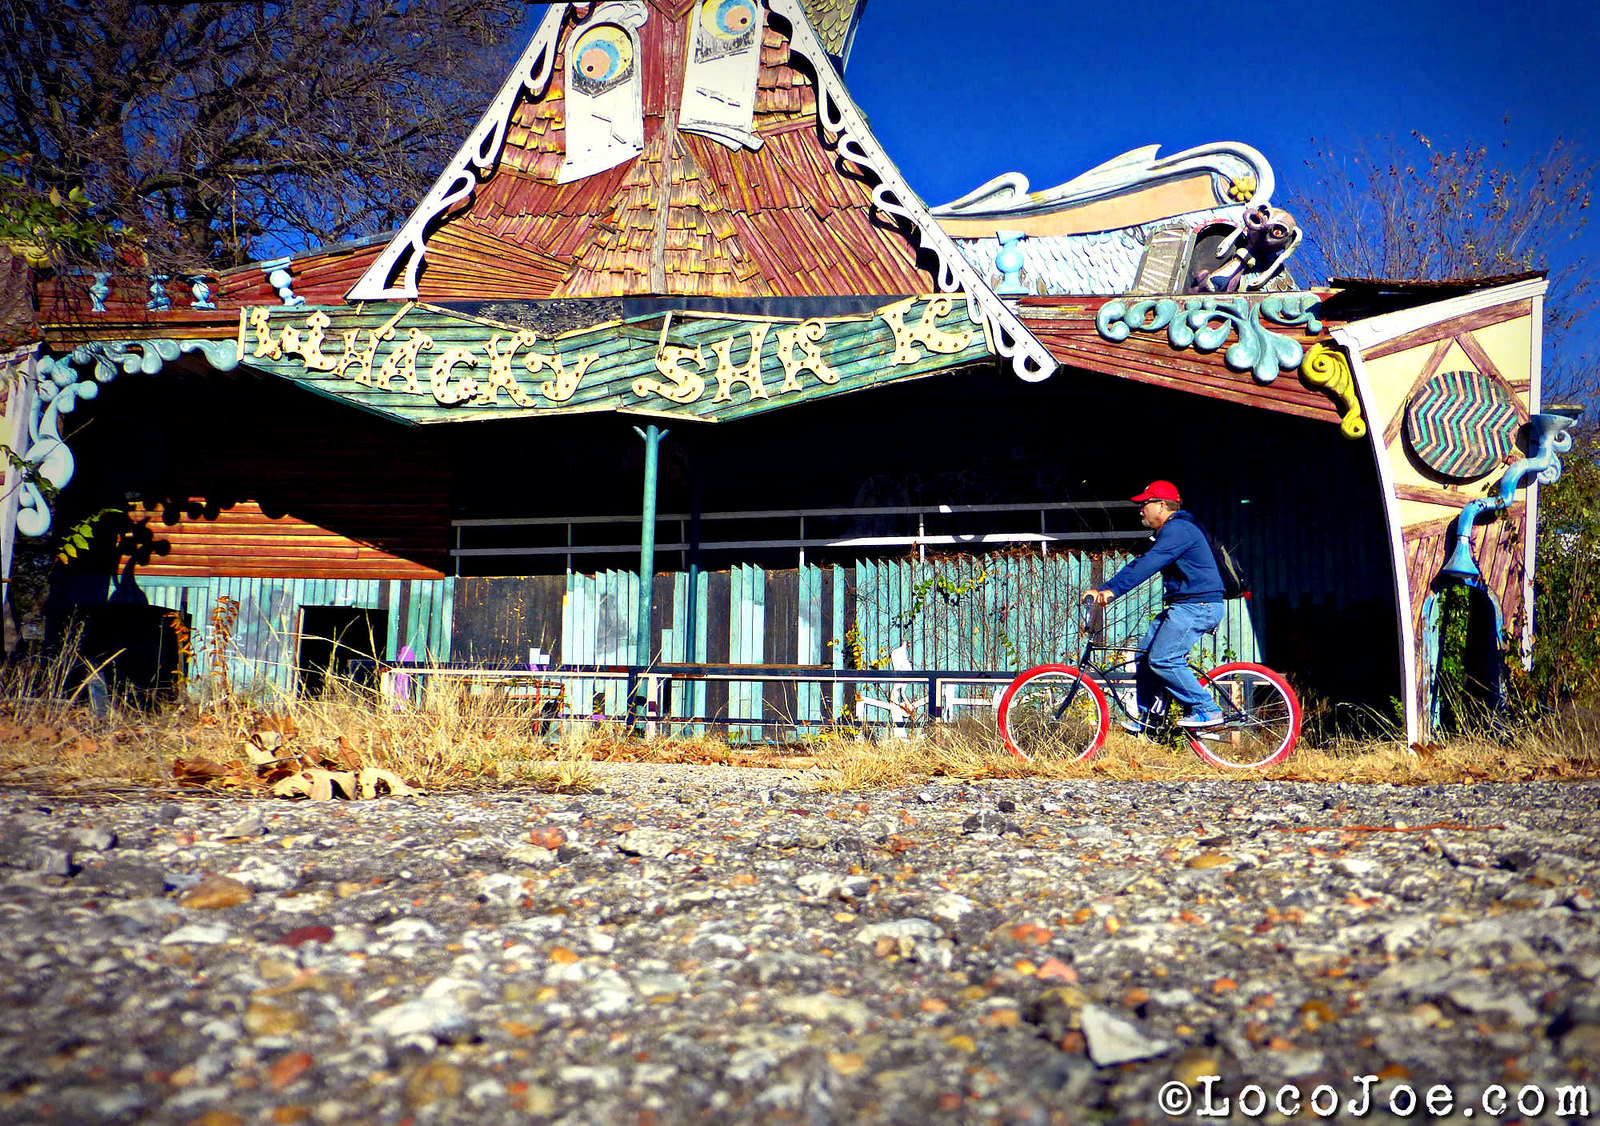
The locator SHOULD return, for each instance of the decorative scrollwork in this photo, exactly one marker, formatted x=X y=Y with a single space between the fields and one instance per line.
x=64 y=381
x=1326 y=367
x=1010 y=339
x=1204 y=323
x=403 y=256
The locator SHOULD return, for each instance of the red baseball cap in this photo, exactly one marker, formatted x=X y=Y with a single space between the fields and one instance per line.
x=1159 y=490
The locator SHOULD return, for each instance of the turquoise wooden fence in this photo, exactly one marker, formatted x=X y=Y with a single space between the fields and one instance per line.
x=1003 y=612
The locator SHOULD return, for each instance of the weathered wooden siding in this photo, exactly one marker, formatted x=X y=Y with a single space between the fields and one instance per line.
x=1066 y=326
x=247 y=479
x=243 y=541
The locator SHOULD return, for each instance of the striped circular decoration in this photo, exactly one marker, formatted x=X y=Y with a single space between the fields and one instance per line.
x=1462 y=423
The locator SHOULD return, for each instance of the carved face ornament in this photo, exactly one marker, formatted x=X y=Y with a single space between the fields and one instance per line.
x=1267 y=231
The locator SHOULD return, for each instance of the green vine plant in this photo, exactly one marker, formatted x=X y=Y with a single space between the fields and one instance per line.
x=48 y=230
x=77 y=539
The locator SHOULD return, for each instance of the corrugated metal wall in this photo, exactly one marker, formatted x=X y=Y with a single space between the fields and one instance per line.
x=264 y=649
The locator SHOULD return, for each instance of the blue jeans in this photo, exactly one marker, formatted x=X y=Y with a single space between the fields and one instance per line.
x=1164 y=662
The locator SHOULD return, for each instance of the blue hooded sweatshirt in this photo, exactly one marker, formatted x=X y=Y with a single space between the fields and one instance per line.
x=1182 y=554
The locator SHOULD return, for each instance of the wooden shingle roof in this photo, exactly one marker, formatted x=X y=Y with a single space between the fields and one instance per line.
x=782 y=220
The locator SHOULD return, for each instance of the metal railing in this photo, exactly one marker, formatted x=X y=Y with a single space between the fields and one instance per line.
x=646 y=697
x=922 y=539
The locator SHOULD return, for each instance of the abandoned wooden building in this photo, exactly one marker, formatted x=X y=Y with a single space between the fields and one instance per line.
x=673 y=259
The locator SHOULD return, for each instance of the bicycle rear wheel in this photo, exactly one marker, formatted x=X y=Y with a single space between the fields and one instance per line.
x=1053 y=712
x=1261 y=718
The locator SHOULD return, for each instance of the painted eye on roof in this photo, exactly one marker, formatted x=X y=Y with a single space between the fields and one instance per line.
x=602 y=59
x=728 y=19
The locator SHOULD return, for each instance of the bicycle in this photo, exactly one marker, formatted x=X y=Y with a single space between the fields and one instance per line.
x=1064 y=711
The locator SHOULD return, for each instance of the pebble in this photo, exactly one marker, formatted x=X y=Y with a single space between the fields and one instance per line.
x=705 y=943
x=1113 y=1040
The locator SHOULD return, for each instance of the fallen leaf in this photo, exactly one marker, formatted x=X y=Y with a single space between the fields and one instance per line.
x=348 y=756
x=214 y=893
x=548 y=837
x=1208 y=859
x=845 y=1063
x=1031 y=934
x=261 y=1019
x=257 y=755
x=197 y=771
x=301 y=935
x=286 y=1069
x=371 y=778
x=1054 y=969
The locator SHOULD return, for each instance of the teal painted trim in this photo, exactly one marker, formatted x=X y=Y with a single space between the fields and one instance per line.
x=837 y=637
x=702 y=638
x=415 y=614
x=808 y=644
x=447 y=617
x=394 y=643
x=1205 y=323
x=652 y=436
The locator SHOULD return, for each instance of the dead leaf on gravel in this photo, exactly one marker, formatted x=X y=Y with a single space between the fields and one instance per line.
x=371 y=778
x=324 y=785
x=258 y=754
x=198 y=771
x=215 y=893
x=348 y=757
x=287 y=1069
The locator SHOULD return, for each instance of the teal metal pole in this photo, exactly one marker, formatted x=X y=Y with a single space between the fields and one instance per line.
x=652 y=436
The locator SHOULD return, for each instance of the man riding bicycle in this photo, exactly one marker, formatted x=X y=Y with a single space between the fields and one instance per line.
x=1193 y=597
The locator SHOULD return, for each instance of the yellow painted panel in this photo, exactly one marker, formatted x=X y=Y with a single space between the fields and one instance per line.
x=1509 y=345
x=1391 y=377
x=1420 y=512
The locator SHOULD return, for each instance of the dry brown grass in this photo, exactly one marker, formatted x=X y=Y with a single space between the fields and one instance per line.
x=49 y=738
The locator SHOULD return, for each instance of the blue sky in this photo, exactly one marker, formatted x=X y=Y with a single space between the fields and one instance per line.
x=960 y=92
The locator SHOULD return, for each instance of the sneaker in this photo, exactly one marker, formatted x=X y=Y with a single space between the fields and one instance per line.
x=1132 y=726
x=1201 y=719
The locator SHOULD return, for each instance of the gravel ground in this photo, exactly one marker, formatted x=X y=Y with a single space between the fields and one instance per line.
x=707 y=945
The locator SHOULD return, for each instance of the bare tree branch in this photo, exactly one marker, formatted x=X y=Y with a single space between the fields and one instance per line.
x=209 y=131
x=1412 y=209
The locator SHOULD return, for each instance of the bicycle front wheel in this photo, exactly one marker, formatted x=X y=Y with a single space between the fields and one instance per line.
x=1053 y=712
x=1261 y=718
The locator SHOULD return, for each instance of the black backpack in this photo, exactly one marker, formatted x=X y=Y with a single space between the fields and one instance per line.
x=1235 y=582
